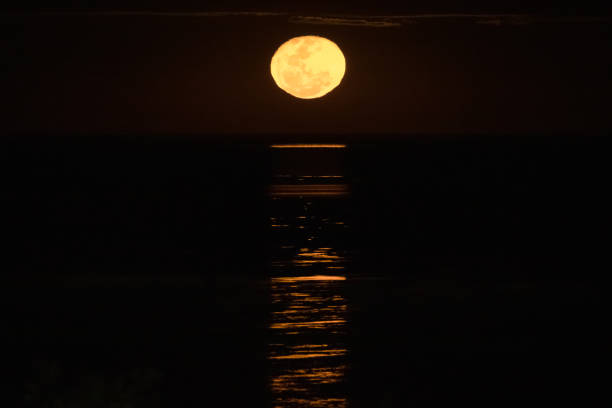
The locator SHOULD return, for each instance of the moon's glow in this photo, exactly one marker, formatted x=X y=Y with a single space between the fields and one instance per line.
x=308 y=67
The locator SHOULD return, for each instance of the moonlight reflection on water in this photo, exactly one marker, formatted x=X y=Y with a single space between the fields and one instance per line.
x=308 y=327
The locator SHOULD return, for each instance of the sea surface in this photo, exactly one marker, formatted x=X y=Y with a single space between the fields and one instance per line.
x=180 y=274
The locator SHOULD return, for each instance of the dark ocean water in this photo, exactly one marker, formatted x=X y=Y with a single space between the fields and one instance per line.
x=174 y=272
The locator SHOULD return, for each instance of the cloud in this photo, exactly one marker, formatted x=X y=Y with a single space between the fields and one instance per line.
x=376 y=21
x=384 y=21
x=492 y=19
x=346 y=21
x=128 y=13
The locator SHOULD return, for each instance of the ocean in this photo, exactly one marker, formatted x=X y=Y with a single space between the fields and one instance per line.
x=173 y=271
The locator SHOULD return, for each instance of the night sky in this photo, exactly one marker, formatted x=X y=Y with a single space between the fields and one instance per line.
x=146 y=207
x=95 y=70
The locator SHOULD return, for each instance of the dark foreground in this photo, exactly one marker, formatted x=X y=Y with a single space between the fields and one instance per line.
x=173 y=272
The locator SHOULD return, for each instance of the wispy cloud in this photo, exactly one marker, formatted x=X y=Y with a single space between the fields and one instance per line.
x=346 y=21
x=128 y=13
x=487 y=19
x=496 y=19
x=375 y=21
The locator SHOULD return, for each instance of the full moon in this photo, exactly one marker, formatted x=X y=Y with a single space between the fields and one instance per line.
x=308 y=67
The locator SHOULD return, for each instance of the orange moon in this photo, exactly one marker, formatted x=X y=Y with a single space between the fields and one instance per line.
x=308 y=67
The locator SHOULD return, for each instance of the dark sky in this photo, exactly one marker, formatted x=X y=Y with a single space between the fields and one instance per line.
x=559 y=7
x=166 y=73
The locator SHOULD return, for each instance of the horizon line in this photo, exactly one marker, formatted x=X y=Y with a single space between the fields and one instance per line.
x=308 y=146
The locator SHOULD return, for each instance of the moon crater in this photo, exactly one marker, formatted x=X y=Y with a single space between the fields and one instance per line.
x=308 y=67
